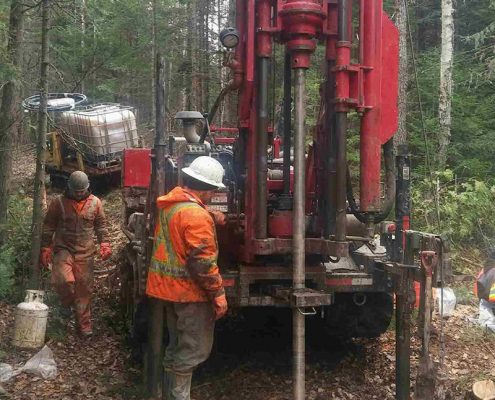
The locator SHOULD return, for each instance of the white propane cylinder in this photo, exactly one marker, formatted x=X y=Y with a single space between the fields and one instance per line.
x=31 y=317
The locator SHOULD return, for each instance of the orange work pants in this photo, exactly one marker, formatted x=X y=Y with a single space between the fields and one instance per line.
x=72 y=278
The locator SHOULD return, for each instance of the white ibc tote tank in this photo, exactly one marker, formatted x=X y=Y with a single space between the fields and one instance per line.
x=102 y=130
x=31 y=317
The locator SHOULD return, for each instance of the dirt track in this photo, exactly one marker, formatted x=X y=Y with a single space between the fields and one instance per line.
x=245 y=365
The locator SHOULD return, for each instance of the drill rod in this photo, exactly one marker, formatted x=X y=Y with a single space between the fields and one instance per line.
x=298 y=319
x=261 y=149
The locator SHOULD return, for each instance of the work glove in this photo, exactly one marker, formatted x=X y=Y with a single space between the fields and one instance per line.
x=46 y=256
x=218 y=217
x=220 y=306
x=105 y=251
x=138 y=246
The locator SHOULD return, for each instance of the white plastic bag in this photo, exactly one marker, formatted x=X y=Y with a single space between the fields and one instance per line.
x=42 y=364
x=449 y=301
x=6 y=372
x=486 y=317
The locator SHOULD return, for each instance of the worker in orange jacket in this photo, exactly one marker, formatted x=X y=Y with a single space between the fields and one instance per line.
x=67 y=240
x=484 y=286
x=184 y=273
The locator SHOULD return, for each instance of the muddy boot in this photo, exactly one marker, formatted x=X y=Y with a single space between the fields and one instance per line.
x=167 y=385
x=176 y=386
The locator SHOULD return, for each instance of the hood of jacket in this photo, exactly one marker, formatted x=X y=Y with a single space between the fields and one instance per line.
x=178 y=195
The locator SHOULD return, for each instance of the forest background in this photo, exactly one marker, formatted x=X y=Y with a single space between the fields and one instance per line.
x=104 y=49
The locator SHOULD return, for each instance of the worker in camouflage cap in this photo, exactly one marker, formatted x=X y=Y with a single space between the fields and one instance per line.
x=68 y=229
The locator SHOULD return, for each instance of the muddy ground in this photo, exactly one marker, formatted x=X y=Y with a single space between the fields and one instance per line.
x=245 y=364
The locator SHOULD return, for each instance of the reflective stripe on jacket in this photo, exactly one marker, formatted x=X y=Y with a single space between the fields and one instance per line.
x=485 y=285
x=491 y=295
x=184 y=259
x=70 y=225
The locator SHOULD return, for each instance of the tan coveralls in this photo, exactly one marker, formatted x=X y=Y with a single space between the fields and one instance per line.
x=69 y=228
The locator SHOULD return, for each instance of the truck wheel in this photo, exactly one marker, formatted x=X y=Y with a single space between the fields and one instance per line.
x=363 y=314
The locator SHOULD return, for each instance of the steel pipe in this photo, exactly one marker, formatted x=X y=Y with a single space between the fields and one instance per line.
x=331 y=154
x=299 y=235
x=344 y=9
x=341 y=176
x=261 y=150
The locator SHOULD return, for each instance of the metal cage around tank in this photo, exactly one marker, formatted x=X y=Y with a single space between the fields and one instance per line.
x=100 y=132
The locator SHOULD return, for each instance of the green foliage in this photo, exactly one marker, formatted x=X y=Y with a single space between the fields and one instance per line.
x=6 y=271
x=473 y=115
x=464 y=294
x=477 y=27
x=465 y=209
x=15 y=253
x=5 y=66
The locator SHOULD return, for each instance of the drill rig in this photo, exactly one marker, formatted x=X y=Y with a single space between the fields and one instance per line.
x=295 y=234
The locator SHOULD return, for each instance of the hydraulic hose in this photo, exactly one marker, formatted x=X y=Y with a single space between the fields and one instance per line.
x=33 y=103
x=388 y=155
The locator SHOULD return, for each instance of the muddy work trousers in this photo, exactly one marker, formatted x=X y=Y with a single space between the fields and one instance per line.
x=72 y=278
x=190 y=328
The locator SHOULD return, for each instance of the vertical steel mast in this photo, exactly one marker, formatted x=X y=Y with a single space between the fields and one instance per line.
x=298 y=277
x=302 y=21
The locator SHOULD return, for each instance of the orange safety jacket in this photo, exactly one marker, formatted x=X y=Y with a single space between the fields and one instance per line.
x=70 y=225
x=484 y=286
x=184 y=259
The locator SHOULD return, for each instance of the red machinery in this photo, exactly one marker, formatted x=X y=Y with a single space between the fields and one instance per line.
x=295 y=236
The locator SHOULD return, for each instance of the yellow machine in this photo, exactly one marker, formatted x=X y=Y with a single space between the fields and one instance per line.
x=91 y=139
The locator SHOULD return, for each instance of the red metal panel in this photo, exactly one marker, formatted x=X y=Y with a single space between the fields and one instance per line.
x=280 y=224
x=389 y=80
x=214 y=128
x=277 y=185
x=225 y=140
x=370 y=146
x=228 y=282
x=136 y=168
x=277 y=142
x=331 y=30
x=263 y=27
x=339 y=282
x=379 y=123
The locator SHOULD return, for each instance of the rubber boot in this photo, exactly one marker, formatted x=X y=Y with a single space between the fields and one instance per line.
x=176 y=386
x=167 y=385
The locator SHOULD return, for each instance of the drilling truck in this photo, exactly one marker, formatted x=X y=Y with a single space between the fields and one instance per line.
x=298 y=234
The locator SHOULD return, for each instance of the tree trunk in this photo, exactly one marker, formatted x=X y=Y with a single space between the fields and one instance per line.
x=9 y=111
x=39 y=180
x=84 y=12
x=220 y=64
x=153 y=63
x=446 y=66
x=206 y=56
x=401 y=136
x=189 y=70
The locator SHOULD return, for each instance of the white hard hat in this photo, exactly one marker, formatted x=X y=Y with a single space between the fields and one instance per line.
x=206 y=169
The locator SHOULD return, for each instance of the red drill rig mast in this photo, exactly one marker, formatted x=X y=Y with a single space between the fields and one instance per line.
x=369 y=86
x=295 y=236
